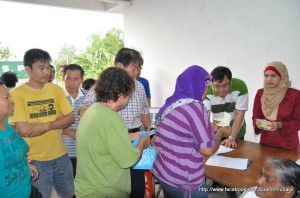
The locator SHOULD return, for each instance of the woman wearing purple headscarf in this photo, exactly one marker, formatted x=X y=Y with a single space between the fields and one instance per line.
x=184 y=136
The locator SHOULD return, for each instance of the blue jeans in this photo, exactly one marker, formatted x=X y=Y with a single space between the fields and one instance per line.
x=57 y=173
x=174 y=192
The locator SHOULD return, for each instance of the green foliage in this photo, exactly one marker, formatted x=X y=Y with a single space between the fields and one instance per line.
x=97 y=56
x=4 y=52
x=100 y=53
x=65 y=57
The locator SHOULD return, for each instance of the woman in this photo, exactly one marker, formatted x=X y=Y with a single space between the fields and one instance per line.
x=135 y=113
x=276 y=110
x=104 y=150
x=280 y=179
x=184 y=136
x=15 y=174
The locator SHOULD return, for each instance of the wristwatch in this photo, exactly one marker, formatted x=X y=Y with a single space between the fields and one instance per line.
x=231 y=137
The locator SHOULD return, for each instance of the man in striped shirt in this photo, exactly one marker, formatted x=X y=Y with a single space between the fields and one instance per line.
x=227 y=97
x=73 y=77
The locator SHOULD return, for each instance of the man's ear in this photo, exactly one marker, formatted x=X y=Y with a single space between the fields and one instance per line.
x=28 y=69
x=290 y=191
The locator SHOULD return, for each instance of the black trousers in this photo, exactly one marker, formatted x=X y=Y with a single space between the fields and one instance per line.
x=35 y=193
x=137 y=183
x=74 y=164
x=137 y=177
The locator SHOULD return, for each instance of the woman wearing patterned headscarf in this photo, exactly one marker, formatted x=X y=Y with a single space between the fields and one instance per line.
x=184 y=136
x=276 y=110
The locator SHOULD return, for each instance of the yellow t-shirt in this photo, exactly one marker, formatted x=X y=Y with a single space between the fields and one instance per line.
x=41 y=105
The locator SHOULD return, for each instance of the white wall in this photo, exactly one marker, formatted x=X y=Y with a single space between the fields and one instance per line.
x=240 y=34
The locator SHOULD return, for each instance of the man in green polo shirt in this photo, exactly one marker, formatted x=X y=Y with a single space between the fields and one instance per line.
x=227 y=99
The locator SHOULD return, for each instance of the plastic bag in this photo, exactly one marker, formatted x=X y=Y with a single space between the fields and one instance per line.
x=148 y=156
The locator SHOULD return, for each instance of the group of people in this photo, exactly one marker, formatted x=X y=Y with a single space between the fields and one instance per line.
x=47 y=117
x=79 y=141
x=184 y=133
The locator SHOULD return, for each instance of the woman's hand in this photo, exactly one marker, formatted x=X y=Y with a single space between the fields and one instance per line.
x=135 y=135
x=34 y=171
x=259 y=125
x=275 y=126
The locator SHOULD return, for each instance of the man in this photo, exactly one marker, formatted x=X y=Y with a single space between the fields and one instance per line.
x=135 y=113
x=227 y=97
x=145 y=84
x=73 y=77
x=40 y=115
x=52 y=74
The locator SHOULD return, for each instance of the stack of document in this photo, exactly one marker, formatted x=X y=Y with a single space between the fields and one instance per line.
x=227 y=162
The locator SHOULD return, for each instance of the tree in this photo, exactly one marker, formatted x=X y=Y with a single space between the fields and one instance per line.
x=97 y=56
x=4 y=52
x=65 y=57
x=100 y=53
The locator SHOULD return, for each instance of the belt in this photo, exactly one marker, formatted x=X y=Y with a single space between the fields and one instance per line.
x=134 y=130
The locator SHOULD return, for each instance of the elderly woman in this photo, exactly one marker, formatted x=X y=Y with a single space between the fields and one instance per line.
x=15 y=172
x=276 y=110
x=280 y=178
x=104 y=150
x=184 y=136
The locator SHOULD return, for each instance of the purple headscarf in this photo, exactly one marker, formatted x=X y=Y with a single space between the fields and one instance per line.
x=191 y=83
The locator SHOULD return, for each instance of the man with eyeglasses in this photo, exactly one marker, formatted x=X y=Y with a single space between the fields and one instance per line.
x=227 y=99
x=135 y=113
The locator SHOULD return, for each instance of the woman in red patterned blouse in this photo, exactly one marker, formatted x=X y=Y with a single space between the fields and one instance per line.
x=276 y=110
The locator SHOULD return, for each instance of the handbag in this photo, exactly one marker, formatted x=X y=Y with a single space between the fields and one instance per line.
x=148 y=156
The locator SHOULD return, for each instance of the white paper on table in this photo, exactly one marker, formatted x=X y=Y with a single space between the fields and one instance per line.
x=223 y=149
x=227 y=162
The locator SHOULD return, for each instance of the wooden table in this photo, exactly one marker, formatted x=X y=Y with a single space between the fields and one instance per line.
x=247 y=178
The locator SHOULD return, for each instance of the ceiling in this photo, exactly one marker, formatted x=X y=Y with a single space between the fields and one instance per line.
x=111 y=6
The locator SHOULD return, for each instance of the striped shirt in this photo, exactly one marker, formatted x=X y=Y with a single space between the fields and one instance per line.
x=179 y=137
x=76 y=104
x=132 y=112
x=237 y=98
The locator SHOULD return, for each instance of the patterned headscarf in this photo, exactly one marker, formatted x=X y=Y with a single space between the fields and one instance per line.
x=272 y=97
x=190 y=84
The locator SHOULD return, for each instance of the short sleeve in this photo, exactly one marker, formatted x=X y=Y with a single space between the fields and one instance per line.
x=19 y=108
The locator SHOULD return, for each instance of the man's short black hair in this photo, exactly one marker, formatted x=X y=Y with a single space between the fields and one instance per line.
x=220 y=72
x=127 y=56
x=9 y=79
x=88 y=83
x=34 y=55
x=74 y=67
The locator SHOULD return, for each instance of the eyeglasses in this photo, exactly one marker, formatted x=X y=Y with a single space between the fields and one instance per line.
x=137 y=67
x=223 y=87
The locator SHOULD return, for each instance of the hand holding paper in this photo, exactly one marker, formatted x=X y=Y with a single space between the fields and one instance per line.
x=263 y=124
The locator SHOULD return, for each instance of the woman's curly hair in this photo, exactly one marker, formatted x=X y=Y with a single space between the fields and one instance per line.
x=112 y=83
